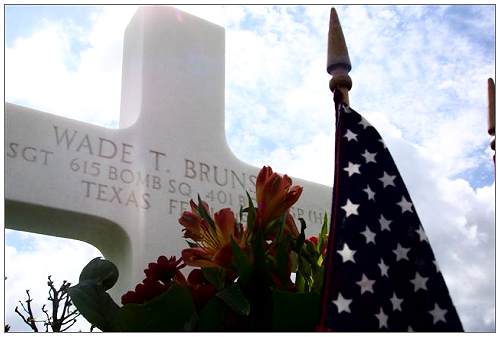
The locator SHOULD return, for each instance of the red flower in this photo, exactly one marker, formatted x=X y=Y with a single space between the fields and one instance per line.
x=130 y=297
x=213 y=242
x=159 y=277
x=275 y=195
x=165 y=270
x=315 y=241
x=201 y=289
x=145 y=291
x=194 y=224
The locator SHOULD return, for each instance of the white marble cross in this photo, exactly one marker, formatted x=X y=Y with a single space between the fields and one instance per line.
x=122 y=190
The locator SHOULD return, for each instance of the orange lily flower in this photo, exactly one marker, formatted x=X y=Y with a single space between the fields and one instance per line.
x=212 y=242
x=275 y=194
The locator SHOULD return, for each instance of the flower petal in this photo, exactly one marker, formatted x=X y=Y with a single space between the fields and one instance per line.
x=275 y=196
x=192 y=225
x=262 y=178
x=225 y=223
x=291 y=227
x=224 y=256
x=293 y=195
x=197 y=257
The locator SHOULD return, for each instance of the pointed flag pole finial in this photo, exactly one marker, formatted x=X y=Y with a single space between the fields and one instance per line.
x=338 y=63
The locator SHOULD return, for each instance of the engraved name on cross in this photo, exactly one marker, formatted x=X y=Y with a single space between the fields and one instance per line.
x=122 y=190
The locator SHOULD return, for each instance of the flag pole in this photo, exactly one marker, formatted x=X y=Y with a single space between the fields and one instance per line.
x=338 y=63
x=491 y=112
x=338 y=66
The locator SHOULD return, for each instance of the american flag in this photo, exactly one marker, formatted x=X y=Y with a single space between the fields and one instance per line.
x=381 y=272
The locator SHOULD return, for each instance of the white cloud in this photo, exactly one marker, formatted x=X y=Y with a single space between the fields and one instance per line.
x=39 y=75
x=220 y=15
x=297 y=161
x=417 y=78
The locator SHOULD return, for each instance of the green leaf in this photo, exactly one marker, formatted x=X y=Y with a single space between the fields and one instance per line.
x=323 y=233
x=259 y=250
x=241 y=213
x=276 y=227
x=261 y=265
x=102 y=272
x=318 y=278
x=294 y=257
x=212 y=316
x=235 y=299
x=324 y=227
x=216 y=276
x=172 y=311
x=251 y=214
x=203 y=213
x=295 y=312
x=241 y=263
x=305 y=272
x=299 y=282
x=282 y=261
x=302 y=236
x=250 y=201
x=94 y=304
x=311 y=251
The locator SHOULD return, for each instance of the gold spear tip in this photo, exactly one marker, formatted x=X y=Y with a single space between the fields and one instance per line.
x=338 y=56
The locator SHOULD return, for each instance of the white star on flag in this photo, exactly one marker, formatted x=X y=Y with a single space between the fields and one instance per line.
x=383 y=268
x=419 y=282
x=437 y=266
x=384 y=223
x=405 y=205
x=396 y=302
x=342 y=304
x=351 y=135
x=366 y=284
x=364 y=123
x=350 y=208
x=401 y=253
x=382 y=319
x=369 y=157
x=369 y=235
x=347 y=254
x=371 y=194
x=387 y=180
x=383 y=144
x=352 y=168
x=421 y=234
x=438 y=314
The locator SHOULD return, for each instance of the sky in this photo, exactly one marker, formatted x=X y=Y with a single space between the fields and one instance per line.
x=419 y=76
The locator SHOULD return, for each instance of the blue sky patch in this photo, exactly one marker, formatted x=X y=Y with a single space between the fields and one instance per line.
x=20 y=240
x=483 y=174
x=22 y=20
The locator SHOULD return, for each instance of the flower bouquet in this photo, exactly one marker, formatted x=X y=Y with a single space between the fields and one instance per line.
x=242 y=275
